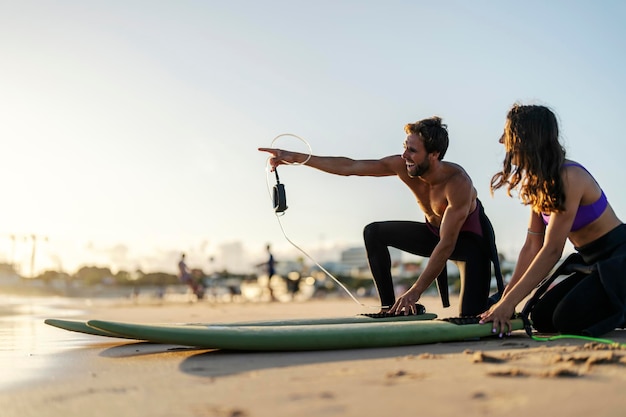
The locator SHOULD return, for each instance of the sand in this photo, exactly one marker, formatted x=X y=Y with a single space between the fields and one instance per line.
x=515 y=376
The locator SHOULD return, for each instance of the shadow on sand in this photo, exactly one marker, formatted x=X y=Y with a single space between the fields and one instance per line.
x=219 y=363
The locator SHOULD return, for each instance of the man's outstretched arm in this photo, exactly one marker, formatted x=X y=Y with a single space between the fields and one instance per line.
x=338 y=165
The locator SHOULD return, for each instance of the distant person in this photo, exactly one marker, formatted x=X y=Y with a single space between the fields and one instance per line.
x=566 y=202
x=185 y=276
x=271 y=270
x=456 y=227
x=271 y=263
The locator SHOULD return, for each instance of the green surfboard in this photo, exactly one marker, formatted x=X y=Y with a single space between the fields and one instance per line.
x=82 y=327
x=301 y=338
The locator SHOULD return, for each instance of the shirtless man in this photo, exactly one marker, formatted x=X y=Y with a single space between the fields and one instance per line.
x=456 y=227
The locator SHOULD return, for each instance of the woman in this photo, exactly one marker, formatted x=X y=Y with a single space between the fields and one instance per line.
x=566 y=203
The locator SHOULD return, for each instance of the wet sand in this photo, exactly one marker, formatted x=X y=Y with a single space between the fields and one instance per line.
x=52 y=372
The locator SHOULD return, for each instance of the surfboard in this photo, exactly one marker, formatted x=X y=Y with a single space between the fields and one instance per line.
x=301 y=338
x=81 y=326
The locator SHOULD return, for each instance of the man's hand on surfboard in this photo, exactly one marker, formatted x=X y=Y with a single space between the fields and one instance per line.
x=405 y=304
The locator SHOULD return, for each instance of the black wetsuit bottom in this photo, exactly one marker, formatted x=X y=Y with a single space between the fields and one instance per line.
x=572 y=305
x=588 y=303
x=470 y=255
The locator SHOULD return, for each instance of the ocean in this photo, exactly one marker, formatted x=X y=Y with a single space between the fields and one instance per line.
x=27 y=344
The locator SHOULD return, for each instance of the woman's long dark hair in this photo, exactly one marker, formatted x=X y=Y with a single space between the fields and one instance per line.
x=533 y=160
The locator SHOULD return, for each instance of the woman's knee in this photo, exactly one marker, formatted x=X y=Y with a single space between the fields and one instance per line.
x=542 y=322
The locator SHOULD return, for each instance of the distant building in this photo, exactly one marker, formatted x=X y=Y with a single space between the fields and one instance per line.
x=354 y=257
x=354 y=261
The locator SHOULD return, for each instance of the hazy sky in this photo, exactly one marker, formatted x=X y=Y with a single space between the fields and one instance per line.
x=130 y=128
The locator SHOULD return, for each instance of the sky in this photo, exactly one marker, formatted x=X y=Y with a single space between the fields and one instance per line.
x=130 y=128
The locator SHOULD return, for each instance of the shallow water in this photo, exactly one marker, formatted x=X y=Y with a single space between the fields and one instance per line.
x=27 y=344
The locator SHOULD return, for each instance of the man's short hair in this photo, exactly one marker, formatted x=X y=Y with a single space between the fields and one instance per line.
x=433 y=133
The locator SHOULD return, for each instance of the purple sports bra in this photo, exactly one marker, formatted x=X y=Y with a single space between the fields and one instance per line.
x=585 y=214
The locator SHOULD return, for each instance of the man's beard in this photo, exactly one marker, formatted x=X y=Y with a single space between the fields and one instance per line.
x=418 y=170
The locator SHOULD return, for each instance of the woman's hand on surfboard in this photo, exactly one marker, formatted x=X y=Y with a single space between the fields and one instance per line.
x=500 y=315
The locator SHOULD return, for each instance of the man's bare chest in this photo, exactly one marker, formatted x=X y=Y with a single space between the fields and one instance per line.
x=432 y=200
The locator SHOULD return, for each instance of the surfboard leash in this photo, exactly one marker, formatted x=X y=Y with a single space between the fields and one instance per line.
x=609 y=342
x=279 y=199
x=528 y=329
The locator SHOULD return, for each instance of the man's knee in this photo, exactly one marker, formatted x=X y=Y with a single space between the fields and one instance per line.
x=371 y=231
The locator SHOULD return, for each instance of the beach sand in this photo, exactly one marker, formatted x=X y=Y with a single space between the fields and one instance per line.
x=516 y=376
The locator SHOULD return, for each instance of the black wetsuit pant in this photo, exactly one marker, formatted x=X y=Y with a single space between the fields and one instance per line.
x=571 y=306
x=587 y=303
x=470 y=255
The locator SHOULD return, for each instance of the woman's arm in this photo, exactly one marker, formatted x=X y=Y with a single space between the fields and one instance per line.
x=533 y=243
x=545 y=259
